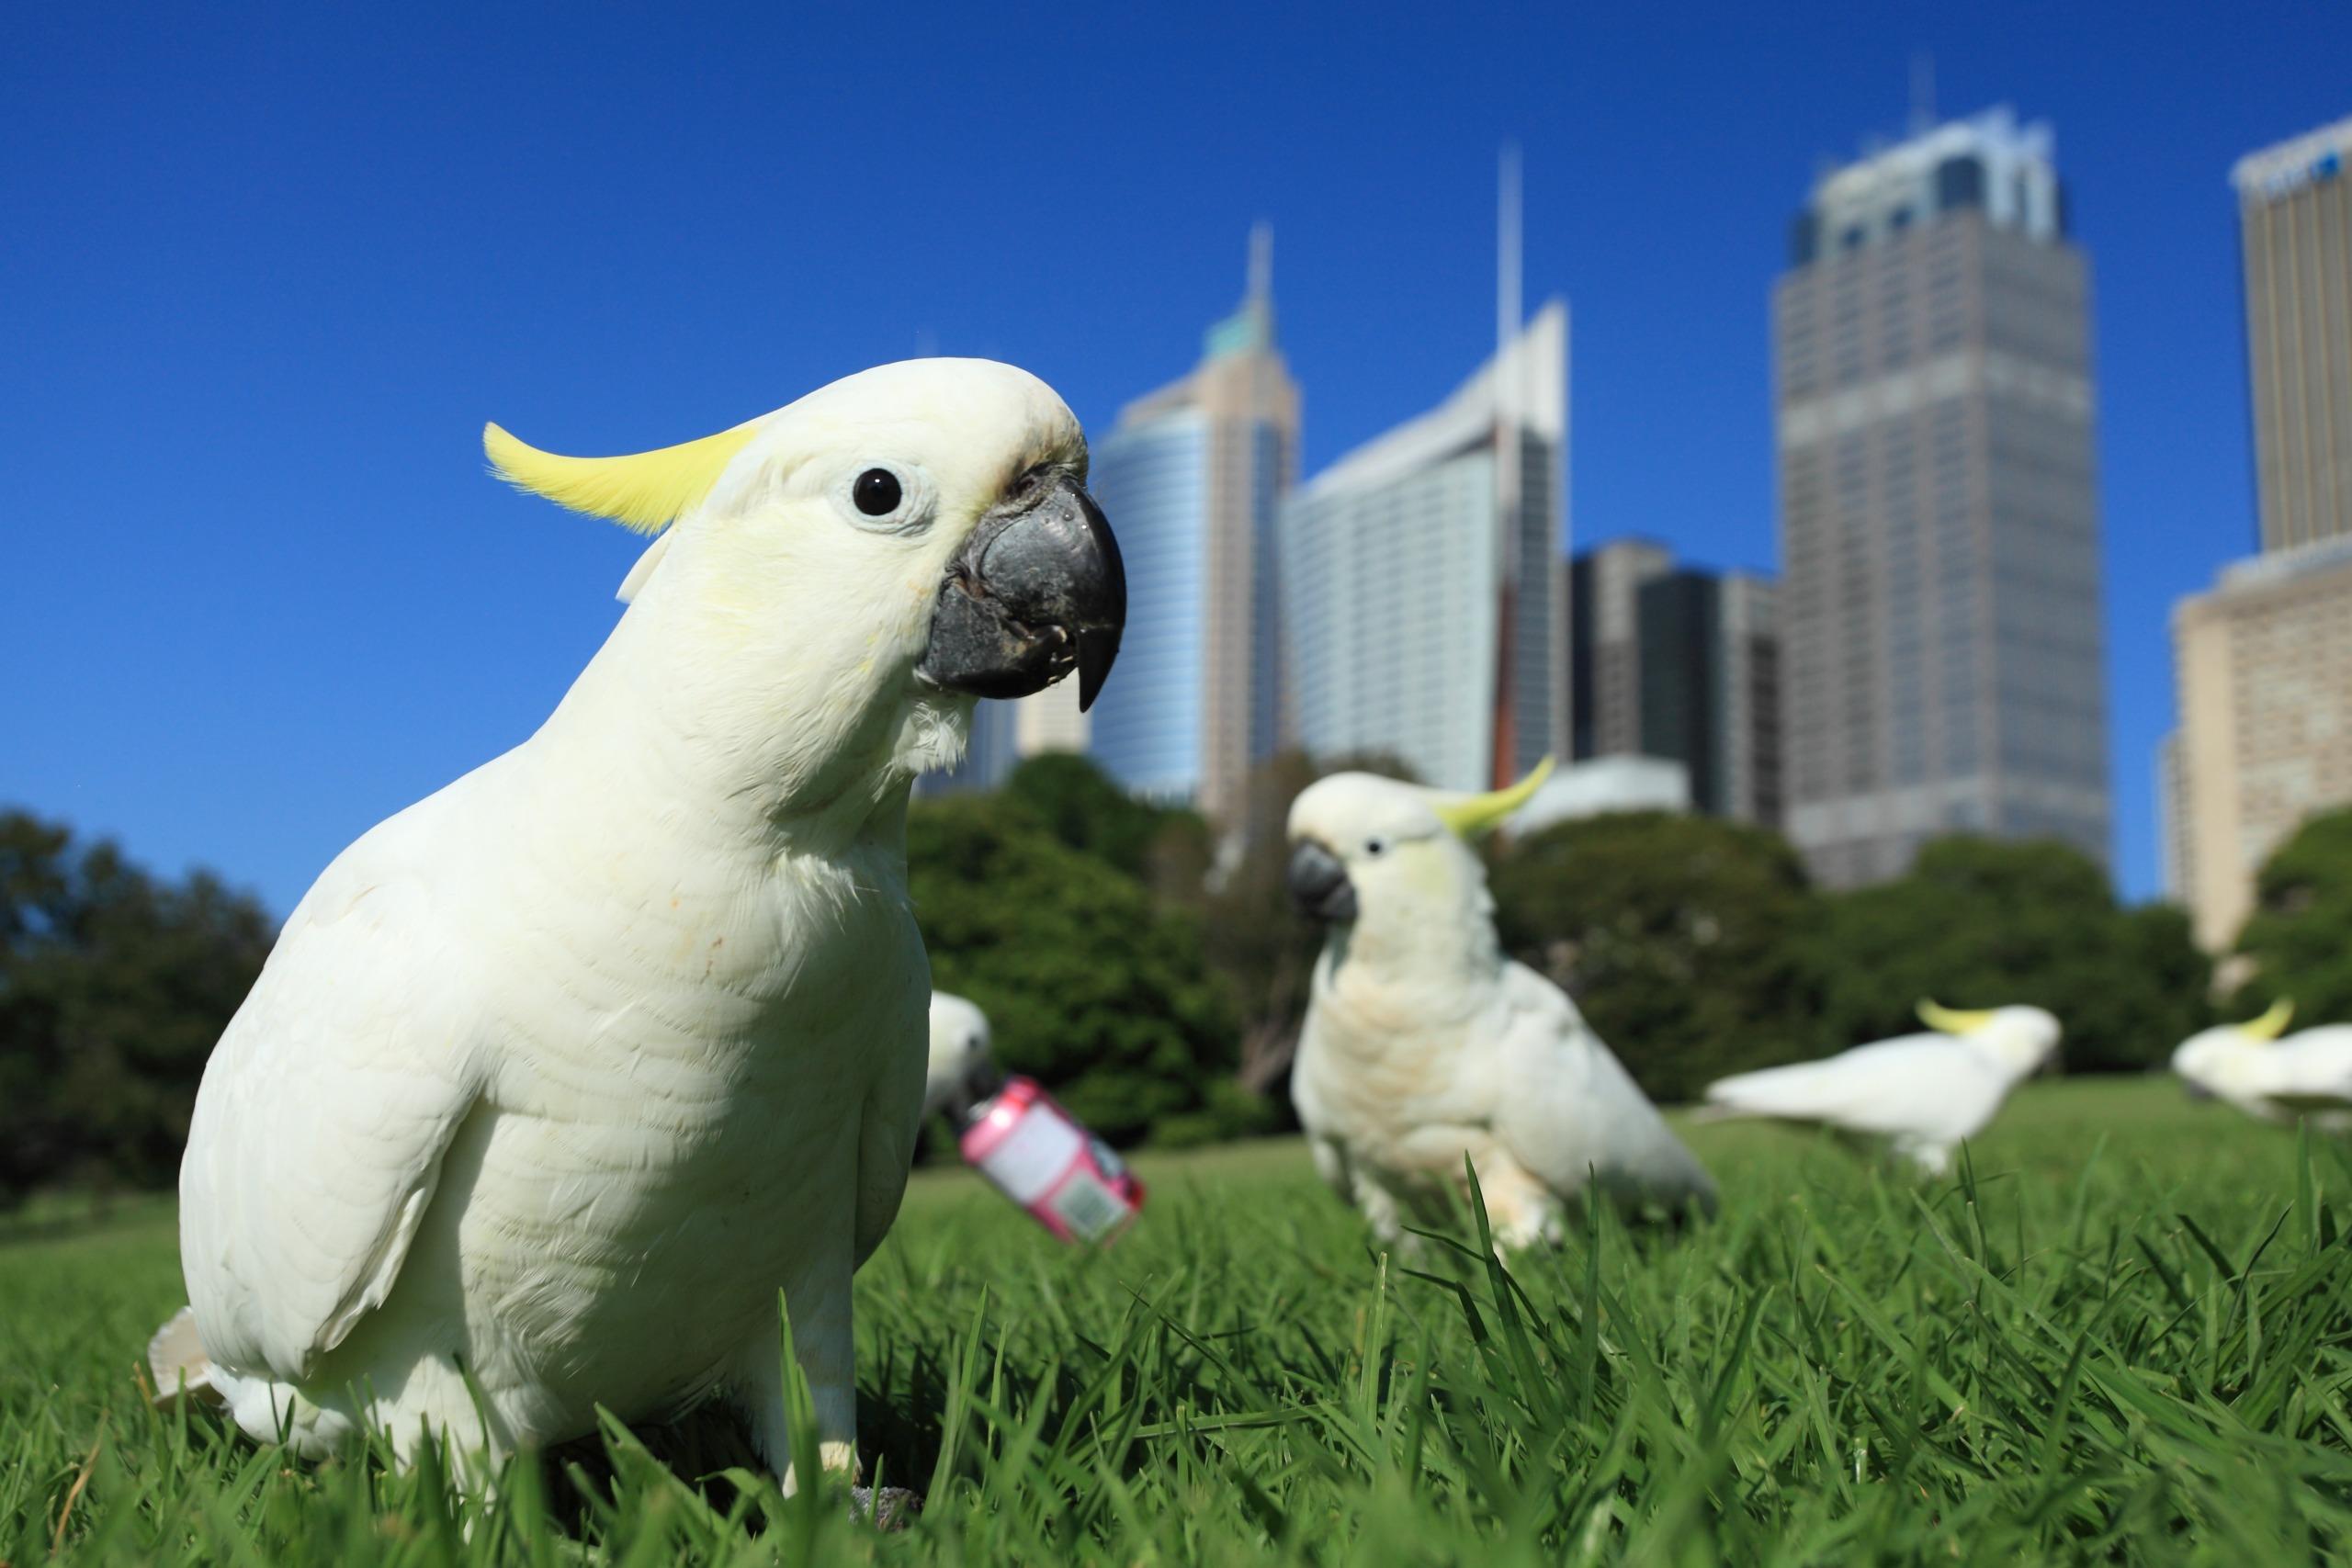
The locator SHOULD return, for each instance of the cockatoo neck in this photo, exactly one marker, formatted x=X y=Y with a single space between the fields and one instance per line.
x=1434 y=939
x=786 y=714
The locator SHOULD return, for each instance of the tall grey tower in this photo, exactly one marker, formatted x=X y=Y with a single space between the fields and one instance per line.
x=1939 y=609
x=2296 y=210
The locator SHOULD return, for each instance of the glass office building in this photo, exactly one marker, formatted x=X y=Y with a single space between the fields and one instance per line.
x=1192 y=478
x=1939 y=502
x=1427 y=602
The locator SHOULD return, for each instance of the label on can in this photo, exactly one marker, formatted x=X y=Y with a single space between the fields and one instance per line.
x=1037 y=1155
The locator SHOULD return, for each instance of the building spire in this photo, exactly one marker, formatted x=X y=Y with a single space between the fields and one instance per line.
x=1261 y=263
x=1507 y=248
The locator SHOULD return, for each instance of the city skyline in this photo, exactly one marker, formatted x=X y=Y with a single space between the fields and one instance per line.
x=285 y=271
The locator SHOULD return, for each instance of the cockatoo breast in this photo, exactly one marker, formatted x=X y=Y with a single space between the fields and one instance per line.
x=669 y=1130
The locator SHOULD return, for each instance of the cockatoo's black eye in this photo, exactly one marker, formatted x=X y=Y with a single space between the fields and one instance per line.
x=876 y=492
x=1375 y=848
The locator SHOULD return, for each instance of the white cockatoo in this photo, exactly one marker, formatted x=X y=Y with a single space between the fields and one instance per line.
x=1922 y=1092
x=2306 y=1074
x=557 y=1078
x=1423 y=1043
x=960 y=1049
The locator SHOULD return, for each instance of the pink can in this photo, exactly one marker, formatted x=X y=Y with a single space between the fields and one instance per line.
x=1036 y=1154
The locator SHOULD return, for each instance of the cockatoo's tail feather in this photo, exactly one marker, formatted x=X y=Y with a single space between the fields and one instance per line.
x=646 y=491
x=1469 y=815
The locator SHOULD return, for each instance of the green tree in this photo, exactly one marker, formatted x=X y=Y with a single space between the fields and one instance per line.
x=2300 y=934
x=1978 y=923
x=1090 y=988
x=1071 y=797
x=1681 y=939
x=1261 y=950
x=114 y=988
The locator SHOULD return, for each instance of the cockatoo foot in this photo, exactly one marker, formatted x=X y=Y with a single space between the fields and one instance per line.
x=885 y=1508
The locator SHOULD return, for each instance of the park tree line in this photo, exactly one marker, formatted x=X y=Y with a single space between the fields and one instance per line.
x=1149 y=971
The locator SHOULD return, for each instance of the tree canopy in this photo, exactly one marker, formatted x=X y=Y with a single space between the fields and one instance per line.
x=2301 y=931
x=1980 y=923
x=1090 y=988
x=1681 y=939
x=114 y=986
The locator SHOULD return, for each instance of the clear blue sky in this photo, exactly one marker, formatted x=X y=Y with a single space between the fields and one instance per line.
x=265 y=272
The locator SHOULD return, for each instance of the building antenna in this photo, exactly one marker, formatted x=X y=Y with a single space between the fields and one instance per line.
x=1923 y=90
x=1261 y=262
x=1507 y=248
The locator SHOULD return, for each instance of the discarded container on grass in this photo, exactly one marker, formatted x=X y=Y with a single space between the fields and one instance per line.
x=1037 y=1155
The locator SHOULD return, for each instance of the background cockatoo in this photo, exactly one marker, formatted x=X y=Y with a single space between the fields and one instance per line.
x=960 y=1049
x=1424 y=1043
x=1923 y=1092
x=557 y=1077
x=2306 y=1074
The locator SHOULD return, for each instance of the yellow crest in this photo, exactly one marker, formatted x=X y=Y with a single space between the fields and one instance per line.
x=2271 y=1024
x=1471 y=815
x=646 y=491
x=1947 y=1021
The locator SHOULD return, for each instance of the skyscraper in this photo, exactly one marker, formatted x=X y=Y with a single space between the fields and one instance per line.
x=1605 y=645
x=2263 y=661
x=1679 y=663
x=1426 y=596
x=1939 y=606
x=2263 y=672
x=2295 y=212
x=1191 y=479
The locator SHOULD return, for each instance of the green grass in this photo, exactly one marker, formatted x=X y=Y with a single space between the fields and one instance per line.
x=2122 y=1335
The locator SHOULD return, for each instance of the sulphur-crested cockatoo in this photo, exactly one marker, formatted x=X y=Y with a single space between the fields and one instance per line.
x=557 y=1077
x=960 y=1049
x=2306 y=1074
x=1922 y=1092
x=1423 y=1043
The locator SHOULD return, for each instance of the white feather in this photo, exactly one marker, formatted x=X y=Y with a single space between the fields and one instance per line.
x=1923 y=1092
x=556 y=1077
x=1423 y=1045
x=2309 y=1072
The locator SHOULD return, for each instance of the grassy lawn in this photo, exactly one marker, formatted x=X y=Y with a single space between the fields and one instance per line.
x=2124 y=1338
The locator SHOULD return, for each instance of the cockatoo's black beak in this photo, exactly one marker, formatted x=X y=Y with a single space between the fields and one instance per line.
x=1320 y=887
x=1036 y=591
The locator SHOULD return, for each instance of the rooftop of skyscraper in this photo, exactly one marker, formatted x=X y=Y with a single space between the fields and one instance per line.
x=1988 y=162
x=2282 y=169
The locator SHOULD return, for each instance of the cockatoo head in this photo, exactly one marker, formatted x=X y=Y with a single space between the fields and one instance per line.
x=927 y=520
x=960 y=1049
x=1382 y=854
x=2019 y=1038
x=2226 y=1061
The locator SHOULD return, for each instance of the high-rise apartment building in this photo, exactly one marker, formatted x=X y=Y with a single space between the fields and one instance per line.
x=1192 y=477
x=1674 y=662
x=1939 y=604
x=2263 y=672
x=2295 y=213
x=1427 y=597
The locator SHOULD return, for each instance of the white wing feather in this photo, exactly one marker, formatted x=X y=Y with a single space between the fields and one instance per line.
x=2311 y=1071
x=1926 y=1086
x=324 y=1115
x=1571 y=1113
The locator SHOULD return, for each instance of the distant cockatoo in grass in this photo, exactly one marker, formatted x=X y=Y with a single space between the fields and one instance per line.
x=1922 y=1092
x=960 y=1049
x=2306 y=1074
x=1423 y=1043
x=557 y=1078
